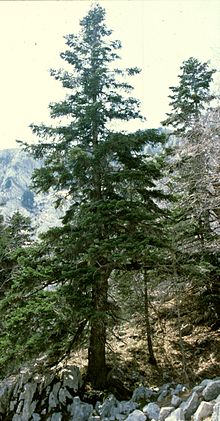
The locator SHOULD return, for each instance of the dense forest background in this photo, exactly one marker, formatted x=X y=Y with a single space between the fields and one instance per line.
x=138 y=248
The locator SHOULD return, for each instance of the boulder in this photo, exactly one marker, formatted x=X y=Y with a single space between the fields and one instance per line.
x=216 y=412
x=190 y=405
x=152 y=411
x=57 y=416
x=36 y=417
x=176 y=401
x=136 y=415
x=53 y=401
x=142 y=393
x=108 y=408
x=164 y=412
x=126 y=407
x=29 y=405
x=176 y=415
x=6 y=390
x=79 y=411
x=203 y=411
x=180 y=388
x=165 y=390
x=212 y=390
x=63 y=395
x=71 y=378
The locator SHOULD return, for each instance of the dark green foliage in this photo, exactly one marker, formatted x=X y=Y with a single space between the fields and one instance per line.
x=192 y=95
x=114 y=215
x=15 y=234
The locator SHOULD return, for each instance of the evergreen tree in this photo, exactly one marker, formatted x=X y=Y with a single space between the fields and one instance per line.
x=113 y=211
x=191 y=96
x=15 y=234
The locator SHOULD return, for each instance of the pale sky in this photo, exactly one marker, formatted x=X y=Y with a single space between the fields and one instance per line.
x=156 y=35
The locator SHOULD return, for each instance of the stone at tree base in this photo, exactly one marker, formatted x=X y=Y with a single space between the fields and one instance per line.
x=198 y=389
x=12 y=406
x=36 y=417
x=165 y=390
x=71 y=378
x=63 y=395
x=80 y=411
x=136 y=415
x=176 y=415
x=152 y=411
x=53 y=401
x=204 y=410
x=108 y=408
x=141 y=393
x=28 y=409
x=6 y=391
x=205 y=382
x=19 y=407
x=126 y=407
x=212 y=390
x=164 y=412
x=176 y=401
x=216 y=412
x=17 y=417
x=29 y=391
x=190 y=405
x=56 y=416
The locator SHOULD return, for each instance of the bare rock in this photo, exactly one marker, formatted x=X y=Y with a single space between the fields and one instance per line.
x=164 y=412
x=212 y=390
x=136 y=415
x=216 y=412
x=152 y=410
x=203 y=411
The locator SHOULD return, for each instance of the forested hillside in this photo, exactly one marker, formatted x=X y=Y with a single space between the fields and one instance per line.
x=130 y=279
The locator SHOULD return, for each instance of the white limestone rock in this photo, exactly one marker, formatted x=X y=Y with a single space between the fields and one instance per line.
x=190 y=405
x=71 y=378
x=212 y=390
x=64 y=395
x=176 y=415
x=57 y=416
x=79 y=411
x=142 y=393
x=165 y=412
x=152 y=410
x=203 y=411
x=136 y=415
x=216 y=412
x=176 y=401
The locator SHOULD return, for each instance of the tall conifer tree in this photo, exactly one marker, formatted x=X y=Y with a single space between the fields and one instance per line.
x=113 y=213
x=191 y=96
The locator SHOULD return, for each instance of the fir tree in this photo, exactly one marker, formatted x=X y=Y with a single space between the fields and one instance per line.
x=109 y=180
x=191 y=96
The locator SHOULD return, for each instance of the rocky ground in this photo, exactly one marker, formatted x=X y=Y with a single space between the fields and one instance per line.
x=185 y=384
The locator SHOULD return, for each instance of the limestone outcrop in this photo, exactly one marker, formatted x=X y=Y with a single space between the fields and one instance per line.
x=57 y=396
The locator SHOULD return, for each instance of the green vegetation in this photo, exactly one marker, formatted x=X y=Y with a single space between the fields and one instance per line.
x=135 y=219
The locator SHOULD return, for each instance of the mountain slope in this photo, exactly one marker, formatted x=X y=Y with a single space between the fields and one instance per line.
x=16 y=194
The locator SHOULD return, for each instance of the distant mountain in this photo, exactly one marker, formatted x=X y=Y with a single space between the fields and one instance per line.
x=16 y=168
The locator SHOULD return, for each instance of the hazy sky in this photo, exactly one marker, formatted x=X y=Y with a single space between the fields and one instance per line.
x=156 y=35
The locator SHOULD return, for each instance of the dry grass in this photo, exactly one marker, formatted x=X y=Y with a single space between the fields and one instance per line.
x=127 y=349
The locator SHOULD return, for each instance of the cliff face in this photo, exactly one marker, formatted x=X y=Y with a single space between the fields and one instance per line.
x=16 y=194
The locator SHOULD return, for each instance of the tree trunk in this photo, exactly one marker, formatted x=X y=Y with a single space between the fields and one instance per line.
x=97 y=341
x=178 y=303
x=152 y=359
